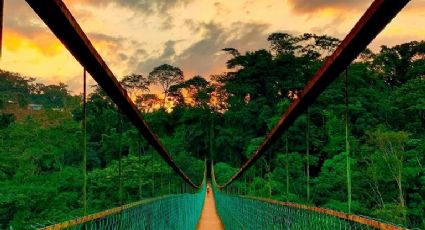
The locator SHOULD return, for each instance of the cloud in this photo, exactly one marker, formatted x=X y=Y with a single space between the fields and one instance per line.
x=167 y=56
x=136 y=8
x=205 y=57
x=142 y=6
x=19 y=17
x=152 y=6
x=25 y=30
x=42 y=43
x=305 y=6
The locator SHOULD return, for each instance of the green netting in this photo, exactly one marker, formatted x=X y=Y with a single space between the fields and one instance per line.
x=237 y=212
x=180 y=211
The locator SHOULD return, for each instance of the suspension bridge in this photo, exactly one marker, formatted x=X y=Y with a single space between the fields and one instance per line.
x=209 y=205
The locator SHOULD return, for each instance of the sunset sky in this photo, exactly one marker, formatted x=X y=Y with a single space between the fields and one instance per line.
x=134 y=36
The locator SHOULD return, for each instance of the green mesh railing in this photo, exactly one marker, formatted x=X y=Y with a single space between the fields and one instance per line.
x=239 y=212
x=181 y=211
x=176 y=211
x=244 y=212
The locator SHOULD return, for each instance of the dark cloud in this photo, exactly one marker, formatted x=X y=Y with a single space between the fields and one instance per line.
x=221 y=9
x=105 y=37
x=123 y=56
x=134 y=58
x=19 y=17
x=145 y=65
x=167 y=22
x=331 y=28
x=418 y=5
x=313 y=5
x=205 y=56
x=153 y=6
x=149 y=6
x=143 y=6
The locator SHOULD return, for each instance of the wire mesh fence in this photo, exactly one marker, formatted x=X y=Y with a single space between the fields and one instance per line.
x=241 y=212
x=181 y=211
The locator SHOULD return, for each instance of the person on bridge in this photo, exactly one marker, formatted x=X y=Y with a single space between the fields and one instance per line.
x=208 y=189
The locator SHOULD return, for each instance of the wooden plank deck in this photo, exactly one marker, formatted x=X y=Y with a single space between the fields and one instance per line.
x=209 y=218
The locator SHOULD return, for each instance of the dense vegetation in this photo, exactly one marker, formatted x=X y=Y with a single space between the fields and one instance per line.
x=225 y=120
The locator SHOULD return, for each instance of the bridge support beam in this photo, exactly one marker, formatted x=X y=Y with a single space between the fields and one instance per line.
x=373 y=21
x=61 y=22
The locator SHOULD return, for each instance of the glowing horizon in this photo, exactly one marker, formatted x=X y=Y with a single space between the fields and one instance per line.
x=135 y=36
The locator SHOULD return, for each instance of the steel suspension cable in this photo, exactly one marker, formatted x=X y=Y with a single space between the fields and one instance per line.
x=62 y=23
x=347 y=143
x=377 y=16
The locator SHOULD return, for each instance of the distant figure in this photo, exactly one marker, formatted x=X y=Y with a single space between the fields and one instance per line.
x=208 y=189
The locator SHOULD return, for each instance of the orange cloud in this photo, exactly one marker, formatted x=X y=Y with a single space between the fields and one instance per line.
x=40 y=42
x=302 y=6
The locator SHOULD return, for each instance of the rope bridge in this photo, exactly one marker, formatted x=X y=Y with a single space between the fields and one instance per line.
x=182 y=211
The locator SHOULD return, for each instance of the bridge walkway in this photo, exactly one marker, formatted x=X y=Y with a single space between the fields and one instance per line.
x=209 y=218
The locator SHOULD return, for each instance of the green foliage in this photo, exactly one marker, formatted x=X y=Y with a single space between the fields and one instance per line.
x=40 y=162
x=6 y=119
x=165 y=76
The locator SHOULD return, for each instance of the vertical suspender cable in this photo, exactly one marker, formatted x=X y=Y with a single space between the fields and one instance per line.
x=85 y=142
x=269 y=173
x=211 y=139
x=120 y=125
x=287 y=167
x=139 y=149
x=347 y=144
x=160 y=179
x=153 y=175
x=245 y=188
x=169 y=179
x=308 y=153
